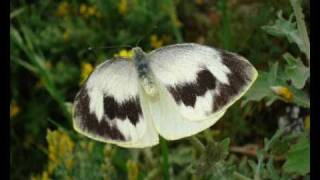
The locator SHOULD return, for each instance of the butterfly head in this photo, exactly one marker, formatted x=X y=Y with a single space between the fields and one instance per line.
x=138 y=53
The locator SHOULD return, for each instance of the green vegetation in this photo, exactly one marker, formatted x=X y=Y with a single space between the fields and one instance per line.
x=50 y=60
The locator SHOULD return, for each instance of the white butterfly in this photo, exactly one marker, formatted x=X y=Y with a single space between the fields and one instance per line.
x=175 y=91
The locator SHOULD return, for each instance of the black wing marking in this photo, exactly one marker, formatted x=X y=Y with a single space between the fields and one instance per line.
x=187 y=93
x=130 y=109
x=88 y=122
x=239 y=78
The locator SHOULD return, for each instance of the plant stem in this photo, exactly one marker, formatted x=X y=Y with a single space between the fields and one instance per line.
x=262 y=153
x=197 y=144
x=251 y=150
x=225 y=34
x=174 y=21
x=165 y=158
x=240 y=176
x=301 y=26
x=179 y=39
x=259 y=166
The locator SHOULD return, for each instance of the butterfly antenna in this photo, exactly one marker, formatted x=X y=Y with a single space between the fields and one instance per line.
x=90 y=49
x=147 y=34
x=110 y=47
x=94 y=49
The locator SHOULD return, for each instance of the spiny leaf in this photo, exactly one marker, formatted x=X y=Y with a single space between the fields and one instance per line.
x=298 y=157
x=261 y=88
x=213 y=159
x=300 y=98
x=296 y=71
x=286 y=28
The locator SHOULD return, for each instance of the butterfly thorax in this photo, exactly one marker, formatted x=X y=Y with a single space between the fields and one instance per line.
x=145 y=76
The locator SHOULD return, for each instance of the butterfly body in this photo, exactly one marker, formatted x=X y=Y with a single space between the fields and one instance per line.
x=140 y=61
x=175 y=91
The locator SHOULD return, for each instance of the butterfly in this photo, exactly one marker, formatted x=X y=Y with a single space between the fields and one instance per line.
x=175 y=91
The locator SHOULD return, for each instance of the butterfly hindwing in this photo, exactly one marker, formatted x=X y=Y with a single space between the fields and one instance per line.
x=202 y=81
x=108 y=107
x=169 y=123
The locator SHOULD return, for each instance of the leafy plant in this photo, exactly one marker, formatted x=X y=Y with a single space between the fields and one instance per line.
x=55 y=46
x=293 y=75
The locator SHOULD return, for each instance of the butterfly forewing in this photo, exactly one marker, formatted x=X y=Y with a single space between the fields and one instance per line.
x=201 y=80
x=241 y=77
x=108 y=107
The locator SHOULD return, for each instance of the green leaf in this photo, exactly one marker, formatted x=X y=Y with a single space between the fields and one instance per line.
x=271 y=170
x=273 y=139
x=213 y=160
x=26 y=65
x=300 y=98
x=16 y=12
x=302 y=29
x=286 y=28
x=182 y=156
x=252 y=164
x=15 y=36
x=298 y=157
x=225 y=147
x=261 y=88
x=296 y=71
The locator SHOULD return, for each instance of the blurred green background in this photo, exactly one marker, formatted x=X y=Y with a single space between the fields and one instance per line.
x=259 y=137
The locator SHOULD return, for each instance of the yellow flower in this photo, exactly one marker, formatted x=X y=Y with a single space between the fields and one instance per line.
x=216 y=133
x=92 y=11
x=29 y=141
x=176 y=21
x=86 y=69
x=108 y=151
x=60 y=150
x=98 y=15
x=124 y=53
x=165 y=38
x=45 y=176
x=87 y=11
x=14 y=109
x=63 y=9
x=122 y=6
x=106 y=167
x=48 y=65
x=83 y=9
x=283 y=92
x=133 y=170
x=199 y=2
x=87 y=146
x=40 y=83
x=155 y=41
x=307 y=123
x=66 y=35
x=69 y=163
